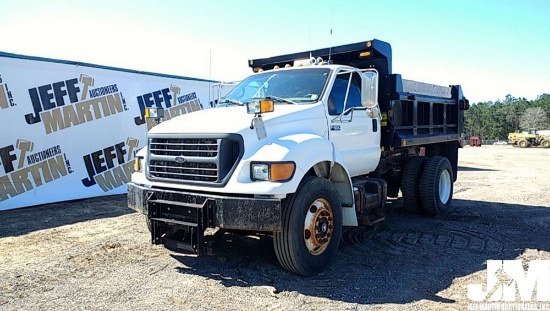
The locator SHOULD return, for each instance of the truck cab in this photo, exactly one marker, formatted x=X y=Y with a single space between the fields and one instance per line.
x=341 y=102
x=307 y=144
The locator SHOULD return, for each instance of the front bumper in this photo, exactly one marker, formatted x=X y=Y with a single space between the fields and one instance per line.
x=204 y=210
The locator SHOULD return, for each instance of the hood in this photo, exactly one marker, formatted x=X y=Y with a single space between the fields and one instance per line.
x=235 y=119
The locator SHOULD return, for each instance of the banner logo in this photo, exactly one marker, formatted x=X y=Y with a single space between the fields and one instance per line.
x=25 y=171
x=111 y=167
x=506 y=279
x=169 y=99
x=72 y=102
x=6 y=99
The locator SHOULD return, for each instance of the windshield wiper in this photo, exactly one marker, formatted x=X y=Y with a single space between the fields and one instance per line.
x=282 y=99
x=231 y=101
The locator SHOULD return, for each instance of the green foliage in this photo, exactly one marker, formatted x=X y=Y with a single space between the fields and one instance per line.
x=494 y=120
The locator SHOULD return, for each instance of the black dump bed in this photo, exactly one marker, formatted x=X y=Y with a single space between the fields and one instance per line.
x=413 y=113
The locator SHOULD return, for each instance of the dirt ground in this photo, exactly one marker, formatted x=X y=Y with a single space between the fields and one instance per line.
x=96 y=254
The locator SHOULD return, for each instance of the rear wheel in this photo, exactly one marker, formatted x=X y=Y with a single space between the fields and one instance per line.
x=545 y=143
x=312 y=227
x=410 y=185
x=436 y=187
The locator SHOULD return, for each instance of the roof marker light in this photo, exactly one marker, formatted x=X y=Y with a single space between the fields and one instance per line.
x=365 y=54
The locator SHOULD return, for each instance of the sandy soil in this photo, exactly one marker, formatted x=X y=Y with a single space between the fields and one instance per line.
x=96 y=254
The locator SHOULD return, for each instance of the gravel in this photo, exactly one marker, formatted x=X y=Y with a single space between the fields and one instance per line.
x=95 y=254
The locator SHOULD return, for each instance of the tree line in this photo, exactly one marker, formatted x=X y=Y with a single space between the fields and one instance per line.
x=494 y=120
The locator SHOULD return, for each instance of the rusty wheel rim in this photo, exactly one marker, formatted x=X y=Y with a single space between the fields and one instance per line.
x=318 y=226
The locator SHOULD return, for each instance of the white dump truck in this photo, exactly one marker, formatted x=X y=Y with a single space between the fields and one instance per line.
x=309 y=143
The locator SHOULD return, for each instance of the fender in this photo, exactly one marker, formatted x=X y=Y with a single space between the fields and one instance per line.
x=311 y=152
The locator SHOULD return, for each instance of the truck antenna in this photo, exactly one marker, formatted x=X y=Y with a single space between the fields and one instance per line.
x=309 y=28
x=330 y=38
x=330 y=47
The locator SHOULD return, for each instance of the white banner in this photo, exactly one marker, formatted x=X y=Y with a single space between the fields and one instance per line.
x=71 y=130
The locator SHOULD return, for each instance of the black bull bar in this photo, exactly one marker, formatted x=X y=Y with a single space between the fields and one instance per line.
x=188 y=221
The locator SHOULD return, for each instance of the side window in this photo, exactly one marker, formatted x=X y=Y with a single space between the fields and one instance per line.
x=354 y=96
x=337 y=95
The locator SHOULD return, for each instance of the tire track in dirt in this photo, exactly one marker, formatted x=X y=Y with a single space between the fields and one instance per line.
x=410 y=234
x=399 y=241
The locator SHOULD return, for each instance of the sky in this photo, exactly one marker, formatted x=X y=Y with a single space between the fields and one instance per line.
x=491 y=47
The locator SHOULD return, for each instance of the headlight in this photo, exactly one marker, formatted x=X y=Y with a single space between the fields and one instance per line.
x=260 y=171
x=278 y=171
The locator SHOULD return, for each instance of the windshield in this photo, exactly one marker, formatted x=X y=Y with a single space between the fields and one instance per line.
x=294 y=86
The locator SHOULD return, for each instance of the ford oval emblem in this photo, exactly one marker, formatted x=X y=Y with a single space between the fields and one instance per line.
x=180 y=160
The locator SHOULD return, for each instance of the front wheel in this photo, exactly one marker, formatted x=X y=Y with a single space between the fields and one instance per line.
x=523 y=143
x=545 y=143
x=312 y=227
x=436 y=187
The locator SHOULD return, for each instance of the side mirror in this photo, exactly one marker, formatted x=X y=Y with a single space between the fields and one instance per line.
x=463 y=104
x=154 y=113
x=369 y=92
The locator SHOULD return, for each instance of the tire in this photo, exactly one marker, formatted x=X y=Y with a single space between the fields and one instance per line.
x=436 y=186
x=312 y=227
x=545 y=143
x=410 y=184
x=523 y=143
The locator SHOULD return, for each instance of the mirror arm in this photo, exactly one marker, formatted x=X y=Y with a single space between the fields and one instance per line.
x=345 y=112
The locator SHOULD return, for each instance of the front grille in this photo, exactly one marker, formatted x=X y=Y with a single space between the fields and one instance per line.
x=194 y=160
x=184 y=171
x=186 y=147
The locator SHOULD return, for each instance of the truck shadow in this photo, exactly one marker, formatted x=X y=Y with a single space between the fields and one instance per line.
x=29 y=219
x=404 y=259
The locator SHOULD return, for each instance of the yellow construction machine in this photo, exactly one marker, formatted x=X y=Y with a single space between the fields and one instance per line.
x=528 y=138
